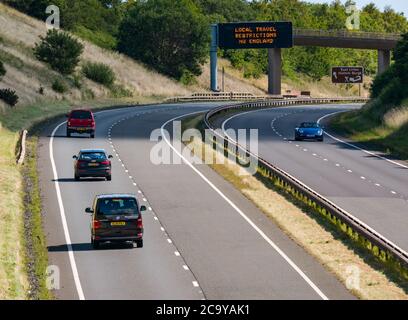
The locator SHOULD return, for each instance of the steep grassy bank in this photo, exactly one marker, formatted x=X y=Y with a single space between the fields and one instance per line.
x=389 y=136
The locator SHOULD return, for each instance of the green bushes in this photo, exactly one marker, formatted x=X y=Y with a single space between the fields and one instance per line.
x=60 y=50
x=59 y=86
x=99 y=73
x=9 y=96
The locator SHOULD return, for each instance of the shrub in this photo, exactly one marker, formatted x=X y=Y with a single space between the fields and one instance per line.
x=59 y=86
x=9 y=96
x=99 y=72
x=60 y=50
x=2 y=70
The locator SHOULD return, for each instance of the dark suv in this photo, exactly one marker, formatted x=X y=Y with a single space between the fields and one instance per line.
x=82 y=122
x=93 y=163
x=116 y=218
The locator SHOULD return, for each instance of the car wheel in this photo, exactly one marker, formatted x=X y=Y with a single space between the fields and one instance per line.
x=77 y=178
x=139 y=243
x=109 y=178
x=93 y=135
x=321 y=139
x=68 y=134
x=95 y=244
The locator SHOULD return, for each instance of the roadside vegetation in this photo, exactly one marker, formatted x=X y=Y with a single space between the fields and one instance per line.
x=168 y=31
x=335 y=251
x=383 y=122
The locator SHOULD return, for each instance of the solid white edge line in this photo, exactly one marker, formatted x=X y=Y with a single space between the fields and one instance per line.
x=356 y=147
x=63 y=218
x=242 y=214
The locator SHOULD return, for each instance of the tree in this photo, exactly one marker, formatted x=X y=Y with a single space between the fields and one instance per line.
x=60 y=50
x=171 y=36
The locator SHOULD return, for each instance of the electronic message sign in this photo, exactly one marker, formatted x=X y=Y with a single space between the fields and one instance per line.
x=347 y=74
x=255 y=35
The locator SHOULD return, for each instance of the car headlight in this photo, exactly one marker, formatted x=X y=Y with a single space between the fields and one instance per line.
x=320 y=132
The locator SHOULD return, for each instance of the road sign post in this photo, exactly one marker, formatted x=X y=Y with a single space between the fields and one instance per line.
x=256 y=35
x=213 y=57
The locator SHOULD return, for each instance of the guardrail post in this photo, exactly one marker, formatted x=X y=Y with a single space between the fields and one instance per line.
x=213 y=57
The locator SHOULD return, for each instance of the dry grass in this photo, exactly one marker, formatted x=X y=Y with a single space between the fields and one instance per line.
x=13 y=280
x=336 y=256
x=396 y=117
x=234 y=81
x=19 y=33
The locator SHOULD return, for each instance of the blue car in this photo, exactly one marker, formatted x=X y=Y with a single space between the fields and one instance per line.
x=309 y=130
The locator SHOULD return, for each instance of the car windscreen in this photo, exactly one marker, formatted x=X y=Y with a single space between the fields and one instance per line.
x=83 y=115
x=310 y=125
x=90 y=156
x=117 y=206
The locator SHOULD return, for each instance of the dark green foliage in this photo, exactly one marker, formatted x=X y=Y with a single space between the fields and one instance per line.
x=392 y=85
x=9 y=96
x=2 y=70
x=60 y=50
x=59 y=86
x=170 y=35
x=99 y=72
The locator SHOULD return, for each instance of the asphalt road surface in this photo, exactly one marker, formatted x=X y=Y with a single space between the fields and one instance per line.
x=203 y=239
x=369 y=186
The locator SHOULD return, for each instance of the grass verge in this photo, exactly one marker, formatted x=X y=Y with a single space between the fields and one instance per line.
x=332 y=248
x=36 y=255
x=360 y=127
x=13 y=280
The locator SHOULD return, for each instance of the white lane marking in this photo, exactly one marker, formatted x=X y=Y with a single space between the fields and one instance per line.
x=356 y=147
x=195 y=284
x=363 y=178
x=378 y=185
x=169 y=241
x=64 y=219
x=186 y=267
x=242 y=214
x=350 y=171
x=393 y=192
x=162 y=229
x=177 y=254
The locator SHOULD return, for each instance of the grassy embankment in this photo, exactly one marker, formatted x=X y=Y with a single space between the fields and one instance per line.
x=388 y=135
x=334 y=250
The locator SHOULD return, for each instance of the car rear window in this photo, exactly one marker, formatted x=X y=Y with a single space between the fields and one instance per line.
x=81 y=115
x=89 y=156
x=309 y=125
x=117 y=206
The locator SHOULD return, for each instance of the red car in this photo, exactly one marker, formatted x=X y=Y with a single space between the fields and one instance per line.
x=82 y=122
